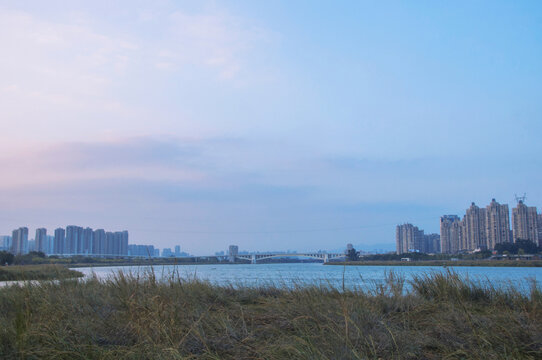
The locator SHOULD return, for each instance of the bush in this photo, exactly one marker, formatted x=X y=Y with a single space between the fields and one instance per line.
x=6 y=258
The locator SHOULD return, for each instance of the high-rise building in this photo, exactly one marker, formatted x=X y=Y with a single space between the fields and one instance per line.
x=450 y=234
x=41 y=240
x=74 y=240
x=408 y=238
x=431 y=243
x=474 y=229
x=87 y=241
x=5 y=243
x=109 y=243
x=177 y=250
x=539 y=218
x=497 y=224
x=19 y=241
x=141 y=250
x=233 y=251
x=60 y=241
x=98 y=245
x=124 y=243
x=120 y=243
x=50 y=242
x=166 y=252
x=525 y=222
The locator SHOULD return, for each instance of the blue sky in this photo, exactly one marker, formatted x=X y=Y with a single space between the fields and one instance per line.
x=272 y=125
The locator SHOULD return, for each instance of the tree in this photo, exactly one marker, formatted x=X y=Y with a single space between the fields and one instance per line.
x=527 y=246
x=352 y=255
x=6 y=258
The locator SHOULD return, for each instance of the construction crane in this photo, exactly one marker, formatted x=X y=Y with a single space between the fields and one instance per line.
x=521 y=199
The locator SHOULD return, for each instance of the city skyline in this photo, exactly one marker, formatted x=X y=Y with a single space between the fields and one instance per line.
x=480 y=229
x=265 y=124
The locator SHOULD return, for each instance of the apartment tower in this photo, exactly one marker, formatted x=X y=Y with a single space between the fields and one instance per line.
x=19 y=241
x=474 y=228
x=497 y=224
x=408 y=238
x=525 y=222
x=450 y=234
x=41 y=240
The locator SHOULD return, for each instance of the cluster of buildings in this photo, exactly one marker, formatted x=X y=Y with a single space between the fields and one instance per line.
x=73 y=240
x=479 y=229
x=76 y=240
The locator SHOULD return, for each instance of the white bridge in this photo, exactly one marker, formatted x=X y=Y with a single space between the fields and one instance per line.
x=253 y=258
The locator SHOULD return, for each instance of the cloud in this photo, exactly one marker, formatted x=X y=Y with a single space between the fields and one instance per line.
x=80 y=77
x=140 y=158
x=217 y=40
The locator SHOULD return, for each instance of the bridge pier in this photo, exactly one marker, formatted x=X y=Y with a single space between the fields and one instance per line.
x=326 y=258
x=253 y=259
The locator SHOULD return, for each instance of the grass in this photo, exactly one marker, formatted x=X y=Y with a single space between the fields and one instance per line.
x=36 y=272
x=486 y=263
x=133 y=316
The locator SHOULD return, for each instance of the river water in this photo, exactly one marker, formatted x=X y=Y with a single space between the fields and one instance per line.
x=300 y=274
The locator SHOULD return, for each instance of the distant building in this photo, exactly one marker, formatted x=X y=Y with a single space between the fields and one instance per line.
x=525 y=223
x=60 y=241
x=474 y=229
x=167 y=252
x=50 y=243
x=19 y=241
x=87 y=239
x=141 y=250
x=109 y=243
x=450 y=234
x=156 y=252
x=98 y=245
x=408 y=238
x=497 y=224
x=233 y=251
x=41 y=240
x=431 y=243
x=120 y=243
x=74 y=240
x=177 y=250
x=31 y=245
x=5 y=243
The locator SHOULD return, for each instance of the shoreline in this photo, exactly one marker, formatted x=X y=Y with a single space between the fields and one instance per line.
x=445 y=263
x=37 y=272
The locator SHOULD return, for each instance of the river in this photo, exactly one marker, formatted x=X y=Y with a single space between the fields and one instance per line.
x=293 y=274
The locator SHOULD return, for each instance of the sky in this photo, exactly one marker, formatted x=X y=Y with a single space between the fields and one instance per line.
x=272 y=125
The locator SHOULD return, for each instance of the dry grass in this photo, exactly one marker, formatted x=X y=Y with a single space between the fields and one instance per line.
x=138 y=317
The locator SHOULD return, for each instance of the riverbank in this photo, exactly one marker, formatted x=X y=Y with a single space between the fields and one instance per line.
x=445 y=263
x=36 y=272
x=439 y=316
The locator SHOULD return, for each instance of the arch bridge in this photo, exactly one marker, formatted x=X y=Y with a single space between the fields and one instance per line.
x=253 y=258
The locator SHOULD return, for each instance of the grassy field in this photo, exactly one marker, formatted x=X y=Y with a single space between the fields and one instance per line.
x=447 y=263
x=133 y=317
x=36 y=272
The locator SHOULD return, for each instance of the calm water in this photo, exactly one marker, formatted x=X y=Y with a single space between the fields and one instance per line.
x=315 y=273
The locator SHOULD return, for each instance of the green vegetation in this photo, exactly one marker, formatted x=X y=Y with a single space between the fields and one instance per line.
x=6 y=258
x=36 y=258
x=421 y=256
x=352 y=255
x=518 y=247
x=36 y=272
x=138 y=317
